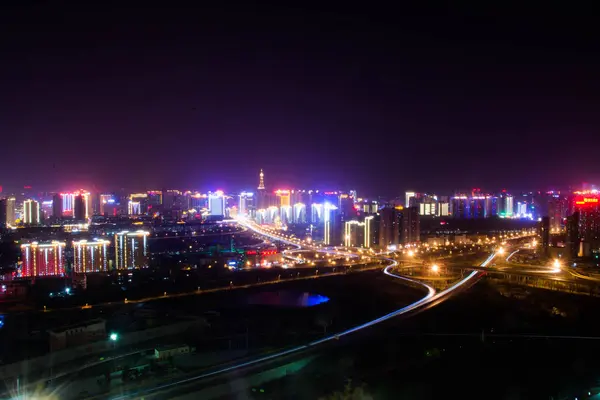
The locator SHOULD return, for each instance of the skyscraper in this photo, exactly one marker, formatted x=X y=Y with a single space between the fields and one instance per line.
x=410 y=198
x=43 y=259
x=332 y=232
x=557 y=211
x=545 y=233
x=56 y=206
x=141 y=199
x=411 y=226
x=90 y=256
x=246 y=205
x=133 y=208
x=216 y=203
x=31 y=212
x=68 y=200
x=587 y=204
x=131 y=250
x=11 y=217
x=573 y=234
x=299 y=213
x=389 y=229
x=107 y=203
x=358 y=234
x=2 y=214
x=79 y=208
x=284 y=197
x=461 y=208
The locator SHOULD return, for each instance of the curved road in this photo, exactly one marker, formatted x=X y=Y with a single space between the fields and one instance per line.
x=429 y=299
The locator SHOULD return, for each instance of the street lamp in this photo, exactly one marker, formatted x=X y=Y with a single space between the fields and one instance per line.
x=435 y=268
x=114 y=337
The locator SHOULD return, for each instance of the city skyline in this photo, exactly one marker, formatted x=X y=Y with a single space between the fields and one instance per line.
x=29 y=191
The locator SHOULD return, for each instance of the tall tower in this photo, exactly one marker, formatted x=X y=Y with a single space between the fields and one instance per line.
x=261 y=180
x=262 y=195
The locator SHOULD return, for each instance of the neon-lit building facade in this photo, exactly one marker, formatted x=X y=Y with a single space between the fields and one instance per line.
x=299 y=213
x=131 y=250
x=587 y=205
x=42 y=259
x=358 y=234
x=331 y=231
x=90 y=256
x=284 y=197
x=246 y=204
x=134 y=208
x=68 y=203
x=216 y=203
x=31 y=212
x=107 y=204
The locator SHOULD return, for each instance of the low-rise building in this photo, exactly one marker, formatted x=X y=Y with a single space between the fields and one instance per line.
x=166 y=352
x=77 y=334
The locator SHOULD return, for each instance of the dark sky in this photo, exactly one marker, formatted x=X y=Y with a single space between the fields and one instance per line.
x=377 y=99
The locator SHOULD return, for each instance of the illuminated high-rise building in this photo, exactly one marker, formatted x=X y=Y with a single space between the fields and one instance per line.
x=68 y=201
x=131 y=250
x=107 y=204
x=11 y=216
x=57 y=206
x=155 y=199
x=2 y=214
x=587 y=205
x=43 y=259
x=285 y=214
x=299 y=216
x=347 y=209
x=46 y=210
x=557 y=211
x=79 y=208
x=410 y=226
x=358 y=234
x=461 y=208
x=199 y=201
x=410 y=198
x=133 y=208
x=246 y=204
x=332 y=233
x=261 y=217
x=477 y=206
x=284 y=197
x=316 y=213
x=141 y=201
x=491 y=206
x=90 y=256
x=389 y=227
x=68 y=204
x=31 y=212
x=272 y=215
x=216 y=203
x=545 y=233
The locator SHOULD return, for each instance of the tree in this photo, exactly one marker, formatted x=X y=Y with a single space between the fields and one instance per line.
x=125 y=374
x=350 y=392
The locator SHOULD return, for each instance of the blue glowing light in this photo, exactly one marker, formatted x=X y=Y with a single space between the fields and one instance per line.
x=287 y=298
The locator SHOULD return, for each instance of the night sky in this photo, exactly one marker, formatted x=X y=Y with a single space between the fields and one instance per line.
x=381 y=100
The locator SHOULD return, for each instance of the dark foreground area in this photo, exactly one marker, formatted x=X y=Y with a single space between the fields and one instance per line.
x=485 y=342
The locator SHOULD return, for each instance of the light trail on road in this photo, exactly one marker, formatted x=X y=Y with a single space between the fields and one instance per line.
x=430 y=297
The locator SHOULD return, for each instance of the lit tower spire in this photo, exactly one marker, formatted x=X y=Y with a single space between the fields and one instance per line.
x=261 y=181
